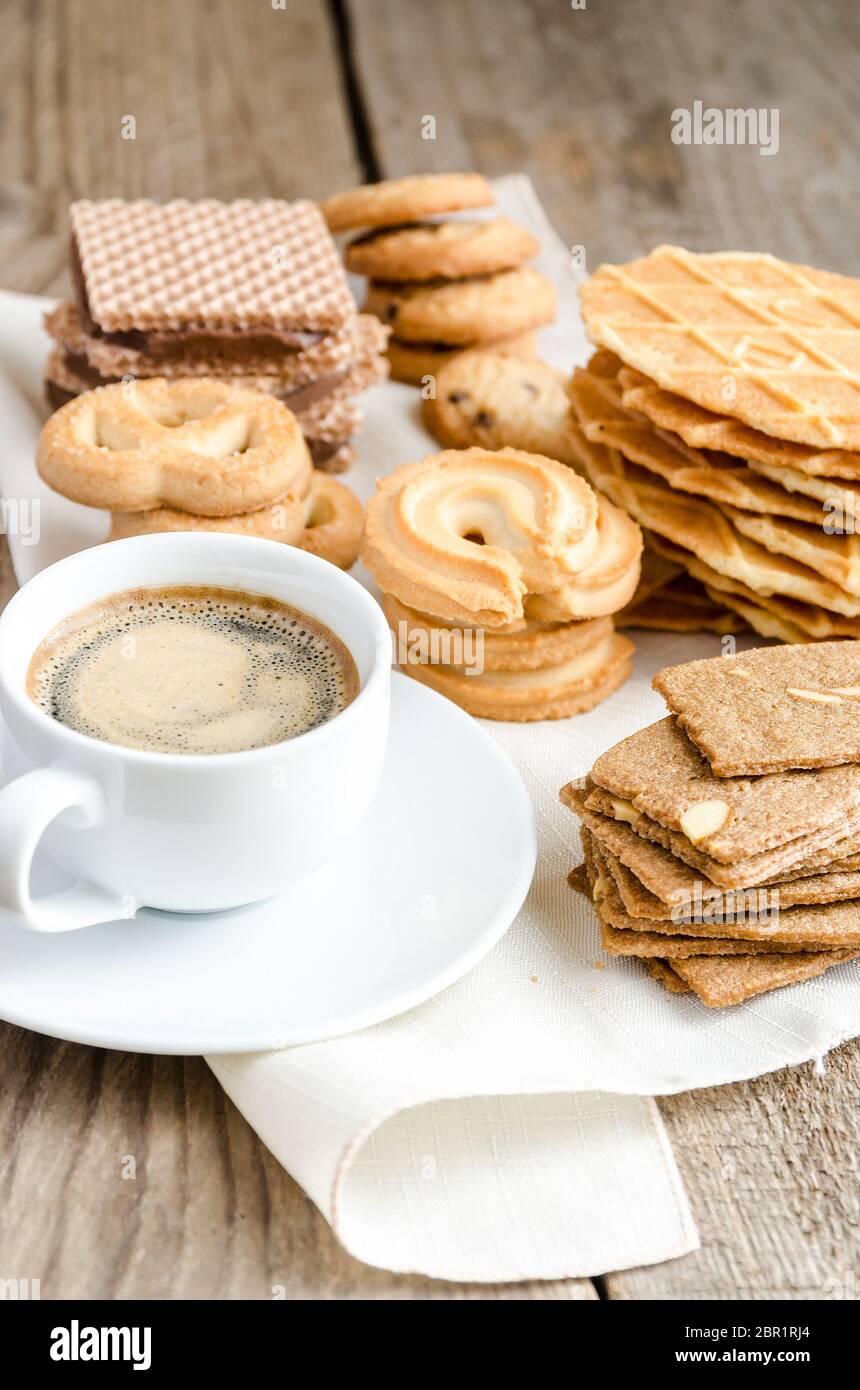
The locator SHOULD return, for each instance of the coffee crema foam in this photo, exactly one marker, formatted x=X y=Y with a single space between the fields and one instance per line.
x=191 y=670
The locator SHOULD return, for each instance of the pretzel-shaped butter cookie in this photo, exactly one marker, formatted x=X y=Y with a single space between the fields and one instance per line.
x=334 y=522
x=195 y=444
x=328 y=521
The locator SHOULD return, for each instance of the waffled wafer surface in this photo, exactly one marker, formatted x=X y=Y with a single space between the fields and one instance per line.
x=209 y=264
x=772 y=344
x=813 y=622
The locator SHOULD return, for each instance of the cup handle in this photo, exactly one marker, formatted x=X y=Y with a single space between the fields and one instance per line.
x=27 y=807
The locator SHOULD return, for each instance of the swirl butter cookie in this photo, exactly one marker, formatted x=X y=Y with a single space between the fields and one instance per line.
x=497 y=402
x=464 y=311
x=409 y=199
x=606 y=583
x=524 y=646
x=334 y=522
x=282 y=521
x=466 y=534
x=441 y=250
x=570 y=687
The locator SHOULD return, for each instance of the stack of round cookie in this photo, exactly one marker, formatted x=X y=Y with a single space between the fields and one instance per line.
x=197 y=454
x=441 y=286
x=500 y=573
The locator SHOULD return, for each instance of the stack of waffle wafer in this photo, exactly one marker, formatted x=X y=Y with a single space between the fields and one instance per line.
x=500 y=573
x=722 y=844
x=722 y=410
x=252 y=293
x=441 y=284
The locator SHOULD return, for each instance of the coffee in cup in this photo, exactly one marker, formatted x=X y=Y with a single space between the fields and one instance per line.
x=188 y=669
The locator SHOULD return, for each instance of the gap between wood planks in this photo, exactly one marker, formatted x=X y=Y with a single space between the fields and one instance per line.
x=362 y=136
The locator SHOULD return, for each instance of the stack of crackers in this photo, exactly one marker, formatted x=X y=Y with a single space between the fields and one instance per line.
x=500 y=573
x=722 y=410
x=252 y=293
x=722 y=844
x=442 y=285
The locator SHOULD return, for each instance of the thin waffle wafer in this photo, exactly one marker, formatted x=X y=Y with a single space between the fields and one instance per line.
x=834 y=557
x=605 y=419
x=836 y=495
x=699 y=526
x=760 y=620
x=250 y=263
x=704 y=429
x=742 y=334
x=682 y=606
x=818 y=623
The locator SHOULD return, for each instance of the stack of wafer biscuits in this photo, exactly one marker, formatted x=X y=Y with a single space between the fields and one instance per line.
x=442 y=285
x=195 y=454
x=500 y=573
x=722 y=410
x=248 y=292
x=722 y=844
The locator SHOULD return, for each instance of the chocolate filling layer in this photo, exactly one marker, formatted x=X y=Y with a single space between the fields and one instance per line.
x=298 y=399
x=167 y=344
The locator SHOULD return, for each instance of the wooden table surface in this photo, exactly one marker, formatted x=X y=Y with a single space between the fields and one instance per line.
x=250 y=98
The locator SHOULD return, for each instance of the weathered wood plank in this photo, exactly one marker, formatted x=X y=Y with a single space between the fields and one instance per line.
x=135 y=1177
x=581 y=99
x=228 y=100
x=770 y=1167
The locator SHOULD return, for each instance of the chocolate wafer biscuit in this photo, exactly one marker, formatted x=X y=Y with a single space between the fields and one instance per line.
x=253 y=269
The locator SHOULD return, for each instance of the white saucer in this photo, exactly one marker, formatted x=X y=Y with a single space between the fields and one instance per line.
x=434 y=880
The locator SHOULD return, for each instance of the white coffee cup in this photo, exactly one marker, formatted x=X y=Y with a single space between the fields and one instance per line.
x=198 y=832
